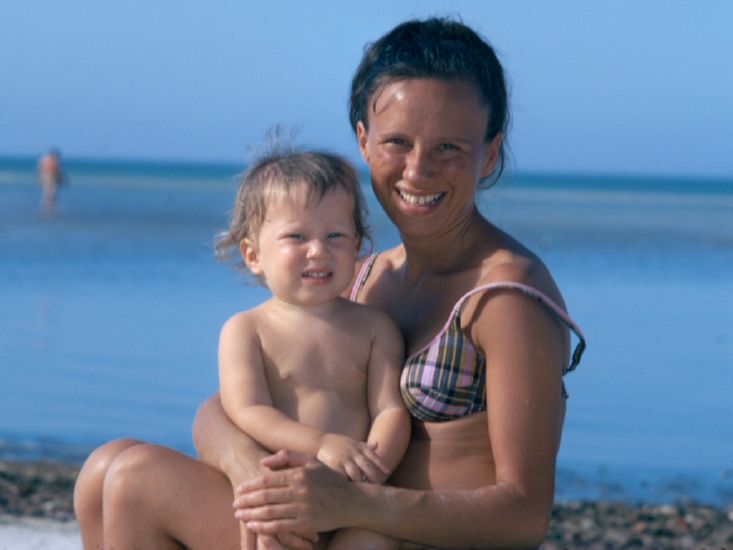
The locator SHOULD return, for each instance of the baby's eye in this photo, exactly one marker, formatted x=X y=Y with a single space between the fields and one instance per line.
x=295 y=236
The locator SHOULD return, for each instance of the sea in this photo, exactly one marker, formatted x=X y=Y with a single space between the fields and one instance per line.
x=110 y=312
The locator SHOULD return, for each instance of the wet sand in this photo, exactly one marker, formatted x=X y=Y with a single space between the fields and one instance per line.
x=36 y=512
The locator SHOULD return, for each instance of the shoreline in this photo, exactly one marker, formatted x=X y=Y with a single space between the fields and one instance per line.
x=36 y=511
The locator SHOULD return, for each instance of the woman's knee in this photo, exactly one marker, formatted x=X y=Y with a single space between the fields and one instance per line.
x=89 y=484
x=130 y=473
x=155 y=493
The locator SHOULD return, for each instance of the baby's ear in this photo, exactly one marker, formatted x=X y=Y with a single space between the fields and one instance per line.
x=250 y=255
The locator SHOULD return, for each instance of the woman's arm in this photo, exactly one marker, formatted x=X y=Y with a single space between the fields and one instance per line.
x=222 y=445
x=524 y=347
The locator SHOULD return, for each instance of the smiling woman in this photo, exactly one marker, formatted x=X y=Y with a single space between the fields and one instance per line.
x=426 y=152
x=483 y=324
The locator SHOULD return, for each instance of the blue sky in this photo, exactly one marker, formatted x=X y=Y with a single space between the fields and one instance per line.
x=632 y=87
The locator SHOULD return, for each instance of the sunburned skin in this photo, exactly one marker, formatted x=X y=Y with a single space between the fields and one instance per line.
x=447 y=455
x=424 y=142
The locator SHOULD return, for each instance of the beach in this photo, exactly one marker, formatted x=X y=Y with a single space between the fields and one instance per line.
x=36 y=506
x=110 y=313
x=36 y=512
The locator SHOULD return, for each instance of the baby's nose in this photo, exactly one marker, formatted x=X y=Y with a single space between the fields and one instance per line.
x=316 y=247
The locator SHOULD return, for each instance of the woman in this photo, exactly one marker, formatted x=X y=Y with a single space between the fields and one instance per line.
x=429 y=108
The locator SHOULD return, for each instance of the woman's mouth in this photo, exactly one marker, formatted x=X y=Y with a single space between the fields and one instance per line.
x=420 y=200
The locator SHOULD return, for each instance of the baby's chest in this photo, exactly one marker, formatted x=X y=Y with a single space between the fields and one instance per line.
x=310 y=363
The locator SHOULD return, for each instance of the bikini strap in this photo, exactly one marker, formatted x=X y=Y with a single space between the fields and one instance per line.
x=544 y=300
x=362 y=276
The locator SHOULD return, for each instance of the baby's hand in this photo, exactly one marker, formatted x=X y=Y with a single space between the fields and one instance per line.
x=356 y=460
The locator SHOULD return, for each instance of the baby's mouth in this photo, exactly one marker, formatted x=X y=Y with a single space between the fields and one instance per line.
x=420 y=200
x=319 y=275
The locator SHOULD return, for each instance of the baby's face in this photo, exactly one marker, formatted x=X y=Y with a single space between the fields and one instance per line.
x=305 y=250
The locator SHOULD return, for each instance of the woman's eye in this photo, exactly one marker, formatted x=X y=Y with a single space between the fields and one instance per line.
x=447 y=147
x=399 y=142
x=335 y=235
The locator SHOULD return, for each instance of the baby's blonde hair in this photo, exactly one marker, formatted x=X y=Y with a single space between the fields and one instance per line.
x=282 y=170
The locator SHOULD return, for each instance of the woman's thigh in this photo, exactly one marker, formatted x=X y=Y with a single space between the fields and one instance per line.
x=163 y=494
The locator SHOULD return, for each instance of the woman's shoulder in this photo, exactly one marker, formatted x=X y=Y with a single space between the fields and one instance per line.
x=390 y=259
x=518 y=265
x=378 y=265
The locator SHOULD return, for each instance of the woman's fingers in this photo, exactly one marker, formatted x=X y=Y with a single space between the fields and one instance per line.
x=272 y=480
x=248 y=538
x=273 y=527
x=285 y=459
x=263 y=497
x=310 y=498
x=270 y=512
x=268 y=542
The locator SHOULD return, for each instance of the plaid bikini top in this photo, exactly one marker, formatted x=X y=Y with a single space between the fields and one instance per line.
x=446 y=379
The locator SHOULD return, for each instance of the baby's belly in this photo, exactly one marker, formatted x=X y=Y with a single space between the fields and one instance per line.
x=448 y=455
x=328 y=411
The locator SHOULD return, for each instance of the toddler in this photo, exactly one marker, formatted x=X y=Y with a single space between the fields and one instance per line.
x=308 y=370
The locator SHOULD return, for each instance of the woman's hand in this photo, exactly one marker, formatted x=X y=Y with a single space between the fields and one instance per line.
x=299 y=495
x=356 y=460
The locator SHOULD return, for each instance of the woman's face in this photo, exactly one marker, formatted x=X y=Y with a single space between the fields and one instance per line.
x=426 y=152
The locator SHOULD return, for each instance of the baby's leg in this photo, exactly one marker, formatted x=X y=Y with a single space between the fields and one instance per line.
x=346 y=539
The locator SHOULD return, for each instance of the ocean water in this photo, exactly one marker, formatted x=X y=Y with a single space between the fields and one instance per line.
x=110 y=313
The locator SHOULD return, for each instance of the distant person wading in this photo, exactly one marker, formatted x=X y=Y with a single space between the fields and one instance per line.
x=51 y=177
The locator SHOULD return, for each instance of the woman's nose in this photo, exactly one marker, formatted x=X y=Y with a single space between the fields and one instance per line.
x=418 y=166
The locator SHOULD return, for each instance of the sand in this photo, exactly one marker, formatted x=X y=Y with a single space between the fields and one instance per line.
x=36 y=512
x=22 y=533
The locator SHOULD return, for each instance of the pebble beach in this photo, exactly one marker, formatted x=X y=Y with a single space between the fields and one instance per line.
x=36 y=512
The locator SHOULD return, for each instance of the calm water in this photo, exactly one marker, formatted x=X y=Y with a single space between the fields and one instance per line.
x=110 y=312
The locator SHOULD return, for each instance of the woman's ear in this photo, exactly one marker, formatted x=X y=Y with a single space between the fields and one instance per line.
x=492 y=155
x=361 y=138
x=250 y=255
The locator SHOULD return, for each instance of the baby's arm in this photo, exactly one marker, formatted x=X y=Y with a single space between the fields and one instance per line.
x=245 y=394
x=246 y=399
x=390 y=430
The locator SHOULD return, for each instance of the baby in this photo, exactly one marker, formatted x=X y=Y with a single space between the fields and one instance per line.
x=308 y=370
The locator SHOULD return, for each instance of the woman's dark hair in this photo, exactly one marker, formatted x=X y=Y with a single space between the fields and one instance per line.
x=440 y=49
